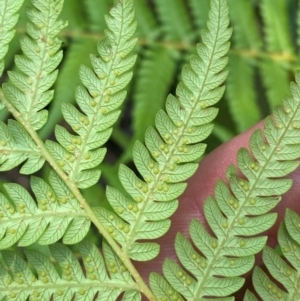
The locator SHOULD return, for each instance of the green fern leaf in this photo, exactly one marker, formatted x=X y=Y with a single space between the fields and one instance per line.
x=67 y=81
x=79 y=154
x=278 y=33
x=231 y=215
x=106 y=277
x=240 y=92
x=8 y=20
x=95 y=10
x=199 y=10
x=16 y=147
x=245 y=30
x=146 y=23
x=249 y=296
x=29 y=92
x=170 y=150
x=151 y=77
x=278 y=84
x=72 y=11
x=175 y=20
x=286 y=274
x=57 y=214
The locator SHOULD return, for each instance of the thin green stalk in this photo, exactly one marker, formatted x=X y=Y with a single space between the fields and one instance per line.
x=276 y=56
x=83 y=203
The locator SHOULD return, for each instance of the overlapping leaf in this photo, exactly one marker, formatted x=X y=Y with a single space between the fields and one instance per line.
x=106 y=276
x=16 y=146
x=171 y=150
x=240 y=211
x=79 y=154
x=8 y=19
x=29 y=90
x=285 y=270
x=56 y=214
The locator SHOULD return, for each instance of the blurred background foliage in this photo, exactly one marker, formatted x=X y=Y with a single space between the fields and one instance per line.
x=262 y=59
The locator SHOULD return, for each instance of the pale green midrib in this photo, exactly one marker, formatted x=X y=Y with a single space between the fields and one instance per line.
x=65 y=283
x=53 y=214
x=219 y=248
x=153 y=189
x=74 y=171
x=39 y=73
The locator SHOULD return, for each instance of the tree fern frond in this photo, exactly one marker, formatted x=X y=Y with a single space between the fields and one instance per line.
x=277 y=84
x=146 y=23
x=199 y=10
x=103 y=93
x=277 y=31
x=106 y=276
x=286 y=273
x=95 y=10
x=240 y=92
x=245 y=31
x=166 y=159
x=73 y=12
x=56 y=215
x=151 y=77
x=8 y=19
x=67 y=81
x=174 y=18
x=241 y=210
x=29 y=92
x=16 y=146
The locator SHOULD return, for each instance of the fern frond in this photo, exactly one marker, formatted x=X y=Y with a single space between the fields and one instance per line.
x=56 y=215
x=95 y=10
x=8 y=19
x=16 y=146
x=277 y=84
x=174 y=18
x=239 y=211
x=240 y=92
x=106 y=276
x=277 y=31
x=151 y=77
x=249 y=296
x=245 y=30
x=199 y=10
x=67 y=81
x=165 y=160
x=29 y=92
x=73 y=12
x=103 y=93
x=146 y=23
x=286 y=272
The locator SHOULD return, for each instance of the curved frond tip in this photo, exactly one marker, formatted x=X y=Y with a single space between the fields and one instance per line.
x=99 y=99
x=29 y=90
x=172 y=148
